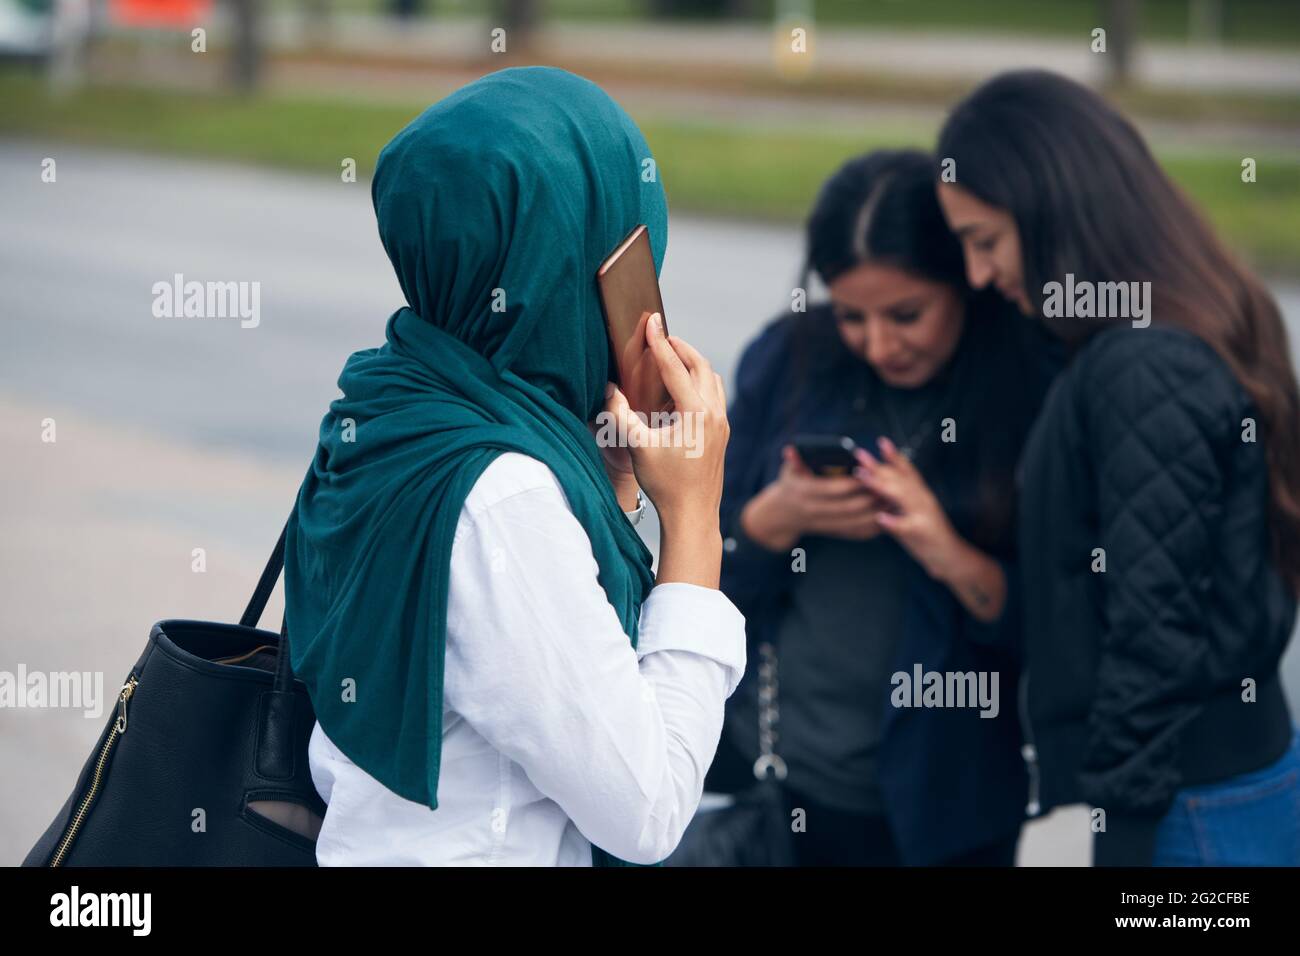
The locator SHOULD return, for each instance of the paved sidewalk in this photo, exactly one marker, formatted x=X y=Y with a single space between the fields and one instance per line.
x=99 y=530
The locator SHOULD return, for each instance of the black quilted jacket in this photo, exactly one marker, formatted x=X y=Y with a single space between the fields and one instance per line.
x=1136 y=675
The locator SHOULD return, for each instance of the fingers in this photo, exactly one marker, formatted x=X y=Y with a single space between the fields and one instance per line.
x=840 y=509
x=689 y=354
x=891 y=523
x=893 y=456
x=859 y=529
x=835 y=486
x=883 y=481
x=627 y=419
x=676 y=377
x=707 y=381
x=890 y=478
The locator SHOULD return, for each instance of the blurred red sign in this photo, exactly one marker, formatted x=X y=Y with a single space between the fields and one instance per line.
x=159 y=13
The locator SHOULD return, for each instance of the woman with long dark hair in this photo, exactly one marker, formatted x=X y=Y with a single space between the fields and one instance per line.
x=1160 y=509
x=906 y=568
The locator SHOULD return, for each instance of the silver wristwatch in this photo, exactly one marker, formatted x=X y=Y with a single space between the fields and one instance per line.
x=639 y=513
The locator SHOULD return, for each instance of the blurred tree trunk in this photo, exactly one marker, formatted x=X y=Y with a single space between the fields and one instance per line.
x=1121 y=37
x=698 y=9
x=520 y=18
x=246 y=54
x=1205 y=21
x=317 y=21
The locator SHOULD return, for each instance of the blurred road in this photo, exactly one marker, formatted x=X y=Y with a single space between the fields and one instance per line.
x=78 y=259
x=175 y=434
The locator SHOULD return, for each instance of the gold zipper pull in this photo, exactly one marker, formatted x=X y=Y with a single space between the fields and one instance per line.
x=127 y=690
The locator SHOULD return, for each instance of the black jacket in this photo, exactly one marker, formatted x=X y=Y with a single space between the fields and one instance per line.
x=1137 y=675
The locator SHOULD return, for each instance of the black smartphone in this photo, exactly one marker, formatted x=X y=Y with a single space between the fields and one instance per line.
x=827 y=455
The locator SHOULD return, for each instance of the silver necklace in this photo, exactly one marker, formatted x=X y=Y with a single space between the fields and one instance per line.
x=908 y=443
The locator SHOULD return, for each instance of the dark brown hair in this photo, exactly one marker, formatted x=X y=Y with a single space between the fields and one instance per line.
x=881 y=208
x=1088 y=198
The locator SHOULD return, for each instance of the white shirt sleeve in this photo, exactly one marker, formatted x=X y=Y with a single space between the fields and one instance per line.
x=539 y=665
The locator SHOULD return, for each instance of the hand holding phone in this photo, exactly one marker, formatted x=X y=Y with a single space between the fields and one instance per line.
x=683 y=478
x=801 y=502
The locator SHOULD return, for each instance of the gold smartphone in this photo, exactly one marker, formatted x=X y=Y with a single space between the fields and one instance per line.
x=629 y=294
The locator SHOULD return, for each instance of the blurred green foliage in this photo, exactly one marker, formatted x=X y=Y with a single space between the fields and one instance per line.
x=732 y=169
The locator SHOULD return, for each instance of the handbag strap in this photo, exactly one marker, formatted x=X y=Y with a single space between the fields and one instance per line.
x=266 y=583
x=768 y=714
x=257 y=604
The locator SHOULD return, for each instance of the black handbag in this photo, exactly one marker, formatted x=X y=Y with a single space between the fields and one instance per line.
x=203 y=761
x=754 y=829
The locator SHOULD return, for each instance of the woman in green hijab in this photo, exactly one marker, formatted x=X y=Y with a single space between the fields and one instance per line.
x=499 y=678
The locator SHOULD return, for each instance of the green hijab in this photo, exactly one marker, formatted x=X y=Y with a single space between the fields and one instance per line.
x=496 y=206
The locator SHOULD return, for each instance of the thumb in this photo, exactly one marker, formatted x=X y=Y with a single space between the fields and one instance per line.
x=793 y=462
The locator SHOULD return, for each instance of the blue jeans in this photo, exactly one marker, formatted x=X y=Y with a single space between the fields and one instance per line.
x=1248 y=820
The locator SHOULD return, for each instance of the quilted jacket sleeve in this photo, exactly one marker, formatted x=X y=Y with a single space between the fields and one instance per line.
x=1159 y=419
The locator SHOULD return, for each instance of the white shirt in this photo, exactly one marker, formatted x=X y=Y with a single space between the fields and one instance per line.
x=556 y=732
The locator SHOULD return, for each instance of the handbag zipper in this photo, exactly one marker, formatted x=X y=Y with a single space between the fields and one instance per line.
x=1028 y=752
x=118 y=728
